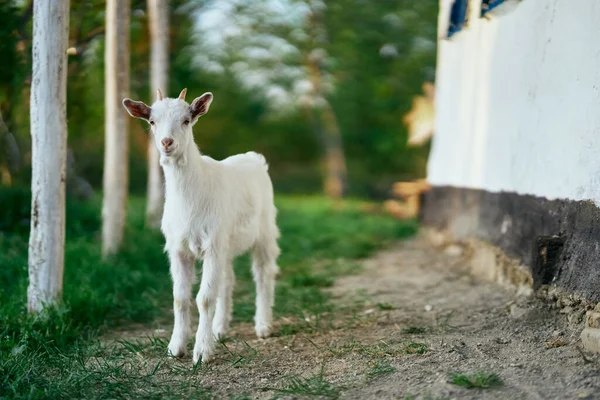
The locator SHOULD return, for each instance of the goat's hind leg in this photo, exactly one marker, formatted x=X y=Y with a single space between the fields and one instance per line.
x=264 y=270
x=222 y=318
x=183 y=276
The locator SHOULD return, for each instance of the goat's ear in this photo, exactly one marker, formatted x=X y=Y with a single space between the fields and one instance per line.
x=137 y=109
x=200 y=105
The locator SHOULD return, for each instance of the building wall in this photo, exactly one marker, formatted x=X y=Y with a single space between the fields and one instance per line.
x=518 y=101
x=515 y=158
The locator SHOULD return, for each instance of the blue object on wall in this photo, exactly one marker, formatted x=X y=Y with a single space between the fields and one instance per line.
x=489 y=5
x=458 y=16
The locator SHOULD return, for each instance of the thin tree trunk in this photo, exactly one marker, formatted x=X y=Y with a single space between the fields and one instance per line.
x=159 y=78
x=335 y=161
x=49 y=152
x=116 y=80
x=334 y=182
x=12 y=155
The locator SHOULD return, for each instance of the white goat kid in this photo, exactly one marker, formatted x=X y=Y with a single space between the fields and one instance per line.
x=215 y=211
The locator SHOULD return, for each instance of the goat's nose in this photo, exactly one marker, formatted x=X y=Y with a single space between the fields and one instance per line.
x=167 y=142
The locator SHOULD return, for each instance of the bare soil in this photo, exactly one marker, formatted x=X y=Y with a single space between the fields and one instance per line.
x=411 y=317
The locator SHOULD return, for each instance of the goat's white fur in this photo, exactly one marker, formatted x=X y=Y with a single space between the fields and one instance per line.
x=215 y=211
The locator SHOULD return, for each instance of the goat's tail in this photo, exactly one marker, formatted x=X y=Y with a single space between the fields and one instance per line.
x=260 y=159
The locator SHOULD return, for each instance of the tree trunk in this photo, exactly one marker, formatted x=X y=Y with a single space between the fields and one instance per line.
x=159 y=79
x=49 y=151
x=12 y=155
x=334 y=182
x=335 y=162
x=116 y=80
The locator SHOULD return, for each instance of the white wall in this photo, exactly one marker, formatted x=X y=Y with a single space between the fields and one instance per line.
x=518 y=102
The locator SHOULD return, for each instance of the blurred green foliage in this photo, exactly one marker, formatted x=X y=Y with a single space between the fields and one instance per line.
x=380 y=53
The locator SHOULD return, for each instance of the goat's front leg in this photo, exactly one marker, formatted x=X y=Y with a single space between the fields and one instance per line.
x=206 y=300
x=182 y=273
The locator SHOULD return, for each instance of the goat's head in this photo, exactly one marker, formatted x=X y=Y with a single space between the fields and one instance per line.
x=171 y=120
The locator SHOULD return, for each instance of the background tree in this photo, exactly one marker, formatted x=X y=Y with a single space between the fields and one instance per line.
x=158 y=13
x=14 y=70
x=334 y=163
x=375 y=59
x=49 y=152
x=346 y=66
x=116 y=152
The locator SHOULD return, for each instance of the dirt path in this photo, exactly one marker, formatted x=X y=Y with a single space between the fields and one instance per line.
x=414 y=316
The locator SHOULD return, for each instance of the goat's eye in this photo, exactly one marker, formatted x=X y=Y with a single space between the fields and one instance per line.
x=186 y=122
x=151 y=122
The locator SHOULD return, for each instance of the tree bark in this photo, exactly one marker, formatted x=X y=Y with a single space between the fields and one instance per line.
x=12 y=155
x=116 y=80
x=159 y=79
x=335 y=161
x=334 y=182
x=48 y=110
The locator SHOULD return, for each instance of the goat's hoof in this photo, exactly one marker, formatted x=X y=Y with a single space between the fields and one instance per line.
x=206 y=356
x=220 y=331
x=176 y=350
x=220 y=334
x=177 y=353
x=263 y=331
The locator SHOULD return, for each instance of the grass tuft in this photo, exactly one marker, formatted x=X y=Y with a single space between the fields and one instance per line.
x=379 y=368
x=314 y=386
x=478 y=379
x=385 y=306
x=414 y=330
x=240 y=354
x=415 y=348
x=443 y=322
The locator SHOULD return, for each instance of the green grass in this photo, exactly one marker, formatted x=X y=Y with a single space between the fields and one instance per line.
x=414 y=330
x=443 y=322
x=57 y=355
x=313 y=386
x=239 y=353
x=240 y=397
x=379 y=368
x=415 y=348
x=480 y=379
x=385 y=306
x=373 y=351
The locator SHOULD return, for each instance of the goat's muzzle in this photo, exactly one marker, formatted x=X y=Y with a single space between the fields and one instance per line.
x=167 y=142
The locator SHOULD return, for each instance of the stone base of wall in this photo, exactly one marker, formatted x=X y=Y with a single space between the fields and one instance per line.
x=556 y=242
x=484 y=260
